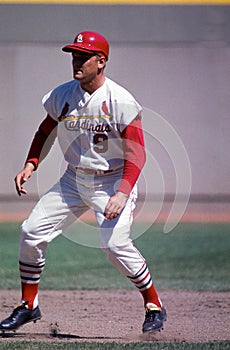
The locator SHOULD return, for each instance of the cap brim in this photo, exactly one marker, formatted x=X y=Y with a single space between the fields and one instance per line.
x=72 y=48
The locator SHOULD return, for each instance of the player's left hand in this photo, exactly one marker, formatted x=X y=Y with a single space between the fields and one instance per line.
x=115 y=205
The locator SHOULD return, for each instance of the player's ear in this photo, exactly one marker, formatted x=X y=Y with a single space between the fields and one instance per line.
x=101 y=62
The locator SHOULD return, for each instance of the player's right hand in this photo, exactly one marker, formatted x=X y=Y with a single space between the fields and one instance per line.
x=115 y=205
x=22 y=177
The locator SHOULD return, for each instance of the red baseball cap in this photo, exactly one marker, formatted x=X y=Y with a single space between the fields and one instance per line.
x=89 y=42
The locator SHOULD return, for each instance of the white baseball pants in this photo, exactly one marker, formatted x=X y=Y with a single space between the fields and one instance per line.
x=65 y=202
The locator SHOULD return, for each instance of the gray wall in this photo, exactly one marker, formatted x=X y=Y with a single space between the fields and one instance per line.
x=174 y=59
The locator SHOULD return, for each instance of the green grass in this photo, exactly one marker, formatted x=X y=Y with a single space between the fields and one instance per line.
x=191 y=257
x=110 y=346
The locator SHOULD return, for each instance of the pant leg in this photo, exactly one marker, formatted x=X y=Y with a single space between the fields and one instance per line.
x=121 y=252
x=115 y=238
x=53 y=213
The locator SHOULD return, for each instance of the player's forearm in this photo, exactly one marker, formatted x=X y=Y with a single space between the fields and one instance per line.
x=42 y=142
x=134 y=155
x=130 y=176
x=36 y=149
x=39 y=149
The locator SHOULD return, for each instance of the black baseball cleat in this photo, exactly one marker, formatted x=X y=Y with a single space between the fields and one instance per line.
x=154 y=320
x=20 y=316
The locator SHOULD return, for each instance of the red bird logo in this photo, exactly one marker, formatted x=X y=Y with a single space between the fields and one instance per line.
x=105 y=108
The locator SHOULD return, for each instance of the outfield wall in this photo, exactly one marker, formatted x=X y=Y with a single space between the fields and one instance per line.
x=174 y=59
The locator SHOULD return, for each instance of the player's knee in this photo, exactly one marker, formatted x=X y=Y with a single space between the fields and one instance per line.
x=31 y=234
x=32 y=247
x=28 y=229
x=111 y=253
x=35 y=228
x=27 y=238
x=113 y=250
x=116 y=241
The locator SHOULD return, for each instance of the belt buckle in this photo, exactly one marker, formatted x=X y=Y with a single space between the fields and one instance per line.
x=99 y=172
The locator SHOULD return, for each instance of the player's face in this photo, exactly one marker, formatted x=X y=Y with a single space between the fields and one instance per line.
x=85 y=66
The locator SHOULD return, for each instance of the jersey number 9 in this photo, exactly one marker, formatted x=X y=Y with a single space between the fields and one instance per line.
x=100 y=143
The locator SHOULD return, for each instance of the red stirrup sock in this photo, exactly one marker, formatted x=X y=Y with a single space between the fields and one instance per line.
x=30 y=294
x=143 y=281
x=150 y=297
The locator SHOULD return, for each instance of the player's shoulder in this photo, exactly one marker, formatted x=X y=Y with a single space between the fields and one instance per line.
x=118 y=90
x=69 y=85
x=62 y=90
x=55 y=99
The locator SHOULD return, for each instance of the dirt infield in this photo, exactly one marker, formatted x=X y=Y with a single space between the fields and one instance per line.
x=117 y=316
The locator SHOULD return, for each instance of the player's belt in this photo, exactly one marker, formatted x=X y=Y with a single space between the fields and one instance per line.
x=94 y=171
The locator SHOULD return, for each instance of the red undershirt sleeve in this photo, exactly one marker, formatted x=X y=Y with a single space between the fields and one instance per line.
x=42 y=141
x=134 y=154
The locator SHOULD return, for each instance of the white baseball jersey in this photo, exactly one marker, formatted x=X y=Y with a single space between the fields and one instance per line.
x=90 y=126
x=89 y=131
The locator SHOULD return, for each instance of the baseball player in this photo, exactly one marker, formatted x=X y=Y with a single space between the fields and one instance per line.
x=98 y=126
